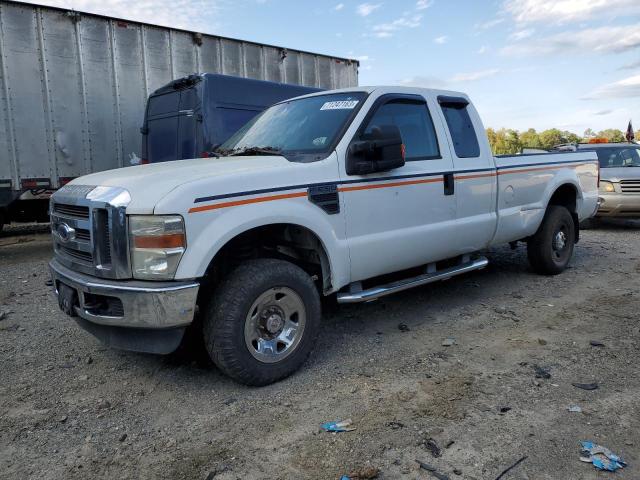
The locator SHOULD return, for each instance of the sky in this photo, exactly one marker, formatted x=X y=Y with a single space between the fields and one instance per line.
x=567 y=64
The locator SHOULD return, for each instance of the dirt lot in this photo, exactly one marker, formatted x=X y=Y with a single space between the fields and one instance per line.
x=70 y=408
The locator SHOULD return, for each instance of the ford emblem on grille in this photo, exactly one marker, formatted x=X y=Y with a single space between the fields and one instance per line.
x=65 y=233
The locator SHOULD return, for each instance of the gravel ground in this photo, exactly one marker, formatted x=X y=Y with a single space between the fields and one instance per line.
x=70 y=408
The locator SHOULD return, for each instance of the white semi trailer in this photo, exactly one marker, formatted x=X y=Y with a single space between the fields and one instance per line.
x=73 y=88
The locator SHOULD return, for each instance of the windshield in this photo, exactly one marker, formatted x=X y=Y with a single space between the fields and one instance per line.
x=610 y=157
x=309 y=125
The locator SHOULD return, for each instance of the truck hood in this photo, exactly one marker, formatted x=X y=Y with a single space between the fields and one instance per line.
x=148 y=184
x=619 y=173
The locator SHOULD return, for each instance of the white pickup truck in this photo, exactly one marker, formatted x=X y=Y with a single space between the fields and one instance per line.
x=359 y=193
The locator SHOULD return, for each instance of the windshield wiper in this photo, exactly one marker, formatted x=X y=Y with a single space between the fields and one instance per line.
x=254 y=151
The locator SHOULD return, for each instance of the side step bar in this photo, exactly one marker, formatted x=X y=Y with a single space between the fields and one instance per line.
x=400 y=285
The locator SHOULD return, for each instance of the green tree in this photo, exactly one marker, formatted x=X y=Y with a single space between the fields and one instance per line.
x=550 y=138
x=491 y=135
x=504 y=141
x=530 y=138
x=612 y=134
x=588 y=134
x=570 y=137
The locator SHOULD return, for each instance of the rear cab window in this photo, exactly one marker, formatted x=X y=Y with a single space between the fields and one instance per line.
x=463 y=133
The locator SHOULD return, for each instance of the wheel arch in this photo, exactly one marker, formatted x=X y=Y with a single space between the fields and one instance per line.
x=285 y=240
x=567 y=195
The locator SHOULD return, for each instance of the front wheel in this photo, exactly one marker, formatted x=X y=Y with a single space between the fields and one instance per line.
x=551 y=248
x=263 y=321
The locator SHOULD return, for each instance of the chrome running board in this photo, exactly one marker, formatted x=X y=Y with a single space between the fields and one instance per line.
x=355 y=296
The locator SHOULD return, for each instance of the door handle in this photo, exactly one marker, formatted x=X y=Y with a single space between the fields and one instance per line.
x=449 y=184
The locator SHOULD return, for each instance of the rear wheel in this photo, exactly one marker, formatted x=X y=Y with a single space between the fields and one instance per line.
x=263 y=321
x=551 y=248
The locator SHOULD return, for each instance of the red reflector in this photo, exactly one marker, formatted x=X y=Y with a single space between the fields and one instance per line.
x=144 y=161
x=65 y=180
x=402 y=150
x=35 y=183
x=204 y=155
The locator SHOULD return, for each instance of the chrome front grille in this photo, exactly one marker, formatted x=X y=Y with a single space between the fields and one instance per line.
x=630 y=186
x=85 y=257
x=71 y=211
x=84 y=229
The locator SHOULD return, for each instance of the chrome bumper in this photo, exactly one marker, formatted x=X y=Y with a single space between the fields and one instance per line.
x=130 y=303
x=619 y=205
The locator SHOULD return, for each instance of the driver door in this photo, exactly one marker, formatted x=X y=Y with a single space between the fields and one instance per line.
x=404 y=217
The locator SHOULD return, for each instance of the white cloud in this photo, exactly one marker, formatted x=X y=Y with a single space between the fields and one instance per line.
x=595 y=40
x=441 y=40
x=473 y=76
x=522 y=34
x=489 y=24
x=424 y=81
x=186 y=14
x=482 y=50
x=625 y=88
x=630 y=66
x=423 y=4
x=338 y=7
x=386 y=30
x=365 y=9
x=564 y=11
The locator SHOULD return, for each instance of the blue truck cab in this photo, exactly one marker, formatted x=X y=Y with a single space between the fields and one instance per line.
x=189 y=116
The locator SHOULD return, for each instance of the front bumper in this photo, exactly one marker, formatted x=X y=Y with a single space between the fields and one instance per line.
x=132 y=315
x=619 y=205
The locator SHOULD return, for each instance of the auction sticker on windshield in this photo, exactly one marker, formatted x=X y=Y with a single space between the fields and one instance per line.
x=340 y=105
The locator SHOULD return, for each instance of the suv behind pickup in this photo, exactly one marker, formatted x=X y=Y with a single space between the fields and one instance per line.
x=358 y=193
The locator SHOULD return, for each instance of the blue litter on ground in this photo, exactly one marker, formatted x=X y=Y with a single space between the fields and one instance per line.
x=336 y=427
x=601 y=457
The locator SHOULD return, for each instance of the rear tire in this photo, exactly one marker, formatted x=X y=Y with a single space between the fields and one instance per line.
x=262 y=322
x=551 y=248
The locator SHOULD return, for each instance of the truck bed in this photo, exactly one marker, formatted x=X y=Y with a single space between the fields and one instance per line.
x=525 y=181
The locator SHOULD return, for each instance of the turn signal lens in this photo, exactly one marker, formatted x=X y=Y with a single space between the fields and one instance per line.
x=157 y=245
x=173 y=240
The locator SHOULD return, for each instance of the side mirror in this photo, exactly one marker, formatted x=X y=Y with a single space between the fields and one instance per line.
x=379 y=151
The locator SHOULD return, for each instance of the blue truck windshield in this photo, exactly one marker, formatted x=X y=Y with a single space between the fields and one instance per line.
x=309 y=125
x=610 y=157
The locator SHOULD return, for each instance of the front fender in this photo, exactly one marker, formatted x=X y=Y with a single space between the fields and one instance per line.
x=209 y=231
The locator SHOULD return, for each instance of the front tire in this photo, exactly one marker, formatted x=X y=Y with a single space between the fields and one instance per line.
x=263 y=321
x=551 y=248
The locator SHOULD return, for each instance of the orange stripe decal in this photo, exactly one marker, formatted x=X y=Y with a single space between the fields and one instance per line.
x=356 y=188
x=388 y=185
x=235 y=203
x=538 y=169
x=479 y=175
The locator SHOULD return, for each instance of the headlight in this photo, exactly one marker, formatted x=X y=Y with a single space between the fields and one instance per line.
x=157 y=244
x=606 y=187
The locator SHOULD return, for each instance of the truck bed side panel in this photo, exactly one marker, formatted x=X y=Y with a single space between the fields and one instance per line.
x=526 y=183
